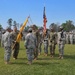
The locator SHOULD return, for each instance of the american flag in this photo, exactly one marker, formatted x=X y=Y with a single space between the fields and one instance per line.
x=44 y=21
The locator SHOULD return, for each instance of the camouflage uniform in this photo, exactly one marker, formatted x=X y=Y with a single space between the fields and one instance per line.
x=45 y=36
x=74 y=38
x=37 y=35
x=30 y=44
x=61 y=43
x=16 y=48
x=67 y=38
x=7 y=42
x=71 y=37
x=52 y=42
x=40 y=42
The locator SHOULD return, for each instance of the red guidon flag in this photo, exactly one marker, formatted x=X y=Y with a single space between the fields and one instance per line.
x=44 y=21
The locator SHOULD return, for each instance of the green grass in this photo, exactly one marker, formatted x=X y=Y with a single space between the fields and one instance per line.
x=43 y=66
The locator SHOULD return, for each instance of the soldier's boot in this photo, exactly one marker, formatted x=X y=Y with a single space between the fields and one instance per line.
x=39 y=53
x=52 y=55
x=35 y=58
x=7 y=62
x=45 y=54
x=14 y=58
x=29 y=62
x=60 y=57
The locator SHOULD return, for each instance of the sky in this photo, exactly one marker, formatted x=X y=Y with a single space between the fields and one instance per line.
x=57 y=11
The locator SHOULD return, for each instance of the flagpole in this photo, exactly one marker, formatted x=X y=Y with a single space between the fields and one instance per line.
x=44 y=21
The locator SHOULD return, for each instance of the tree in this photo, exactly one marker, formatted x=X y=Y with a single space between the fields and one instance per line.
x=1 y=27
x=14 y=23
x=10 y=22
x=26 y=28
x=68 y=26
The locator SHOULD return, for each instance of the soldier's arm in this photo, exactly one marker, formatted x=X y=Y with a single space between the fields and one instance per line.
x=26 y=42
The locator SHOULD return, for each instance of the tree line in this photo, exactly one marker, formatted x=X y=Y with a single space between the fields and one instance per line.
x=68 y=25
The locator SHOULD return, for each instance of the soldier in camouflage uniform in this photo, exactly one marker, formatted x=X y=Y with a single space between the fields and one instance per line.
x=71 y=37
x=30 y=44
x=7 y=42
x=61 y=42
x=45 y=38
x=16 y=47
x=40 y=41
x=37 y=34
x=52 y=41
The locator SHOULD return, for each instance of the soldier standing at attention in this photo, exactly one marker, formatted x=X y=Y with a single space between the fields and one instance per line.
x=45 y=37
x=40 y=41
x=52 y=41
x=7 y=42
x=61 y=42
x=14 y=34
x=30 y=45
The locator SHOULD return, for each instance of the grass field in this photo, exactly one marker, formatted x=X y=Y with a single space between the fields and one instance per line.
x=43 y=66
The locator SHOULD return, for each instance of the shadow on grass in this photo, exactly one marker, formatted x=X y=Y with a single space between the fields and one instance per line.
x=45 y=63
x=22 y=58
x=69 y=57
x=18 y=63
x=43 y=59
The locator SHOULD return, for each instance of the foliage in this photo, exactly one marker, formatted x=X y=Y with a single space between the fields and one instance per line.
x=68 y=26
x=43 y=66
x=10 y=22
x=26 y=28
x=14 y=23
x=1 y=27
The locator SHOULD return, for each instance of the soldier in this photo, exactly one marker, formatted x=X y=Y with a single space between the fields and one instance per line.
x=36 y=33
x=14 y=34
x=67 y=38
x=52 y=41
x=30 y=44
x=61 y=42
x=45 y=37
x=74 y=38
x=71 y=37
x=7 y=41
x=40 y=41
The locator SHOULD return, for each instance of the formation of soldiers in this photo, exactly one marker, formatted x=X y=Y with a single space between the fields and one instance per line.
x=33 y=43
x=36 y=37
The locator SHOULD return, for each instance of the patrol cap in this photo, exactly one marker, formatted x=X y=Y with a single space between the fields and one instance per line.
x=30 y=29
